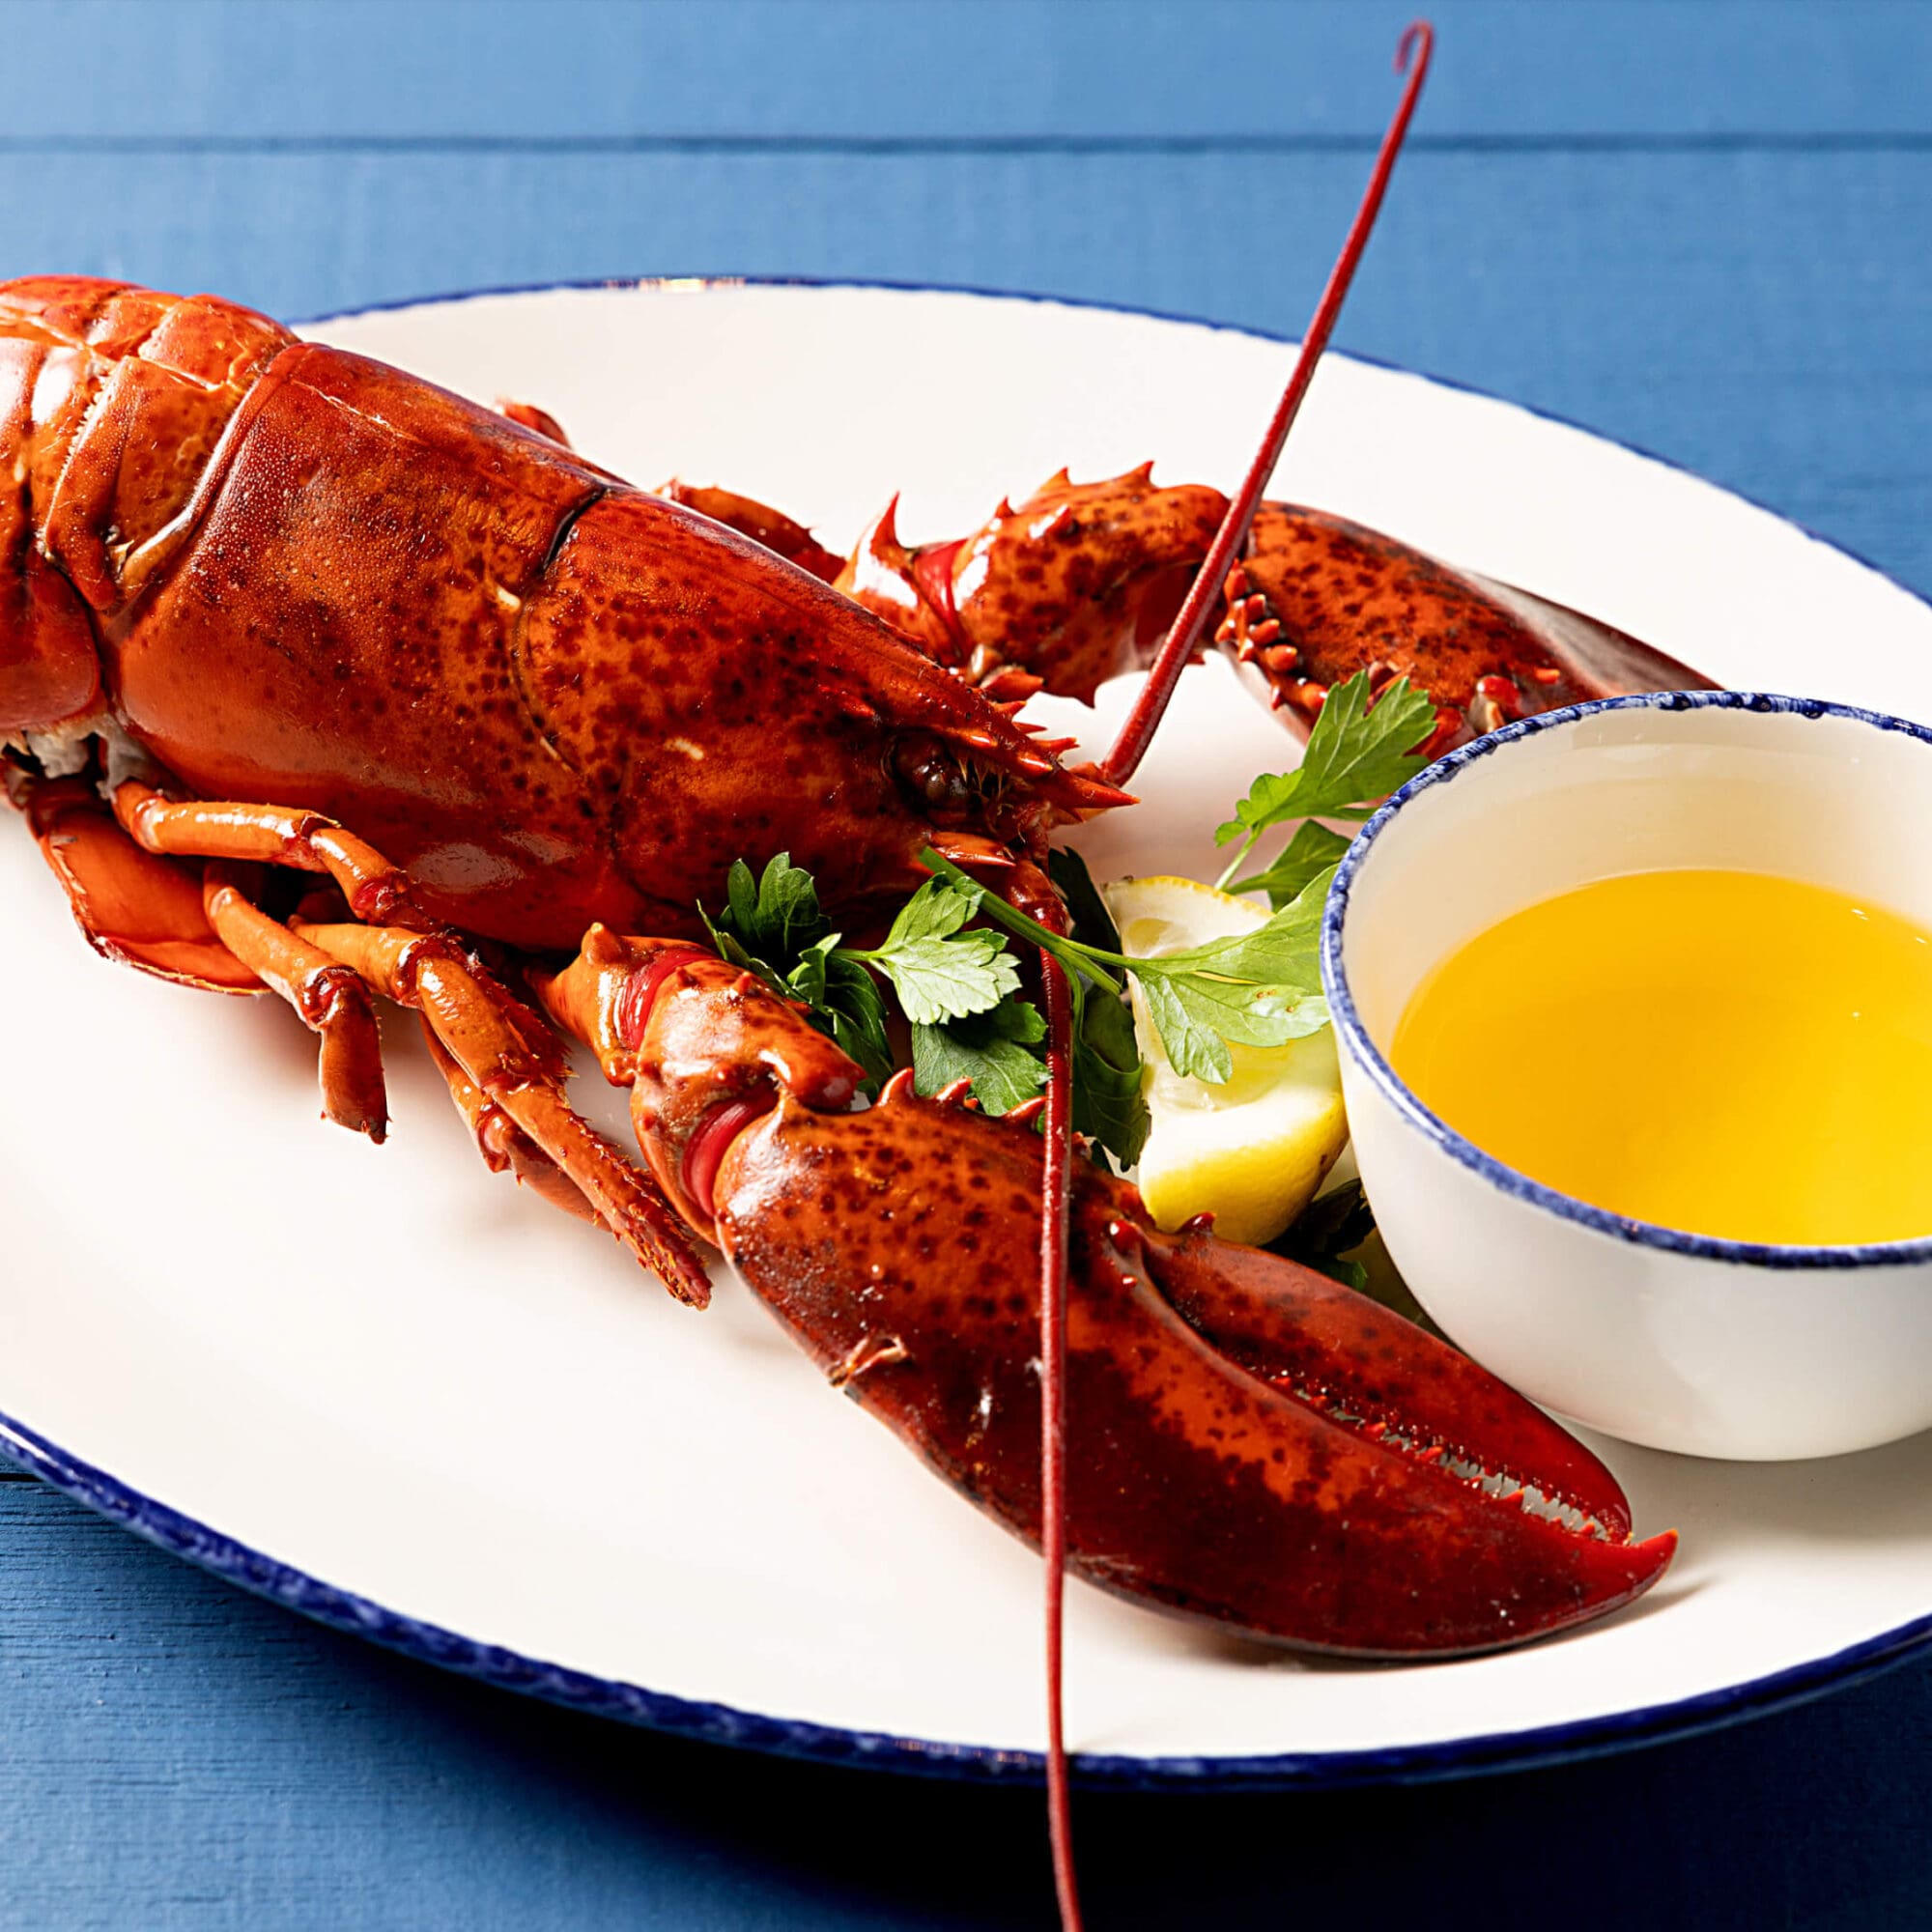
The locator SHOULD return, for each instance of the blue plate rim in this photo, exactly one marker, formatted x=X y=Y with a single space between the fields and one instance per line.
x=340 y=1609
x=344 y=1610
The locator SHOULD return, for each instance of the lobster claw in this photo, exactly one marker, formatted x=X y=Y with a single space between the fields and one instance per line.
x=1318 y=598
x=1074 y=585
x=1249 y=1444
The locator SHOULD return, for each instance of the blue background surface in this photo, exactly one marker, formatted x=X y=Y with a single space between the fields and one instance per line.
x=1699 y=227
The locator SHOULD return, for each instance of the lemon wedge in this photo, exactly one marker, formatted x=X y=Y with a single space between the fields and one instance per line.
x=1253 y=1150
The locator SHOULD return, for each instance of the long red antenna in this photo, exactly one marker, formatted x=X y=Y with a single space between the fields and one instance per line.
x=1137 y=733
x=1058 y=1151
x=1057 y=1161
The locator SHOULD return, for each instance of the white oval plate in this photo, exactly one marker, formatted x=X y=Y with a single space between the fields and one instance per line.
x=392 y=1389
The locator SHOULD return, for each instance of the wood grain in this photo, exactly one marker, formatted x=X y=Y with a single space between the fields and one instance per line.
x=1757 y=314
x=755 y=71
x=179 y=1755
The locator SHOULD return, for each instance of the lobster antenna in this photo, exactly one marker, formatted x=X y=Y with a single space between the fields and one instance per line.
x=1411 y=57
x=1057 y=1161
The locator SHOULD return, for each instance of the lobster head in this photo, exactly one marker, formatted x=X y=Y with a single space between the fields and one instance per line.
x=552 y=697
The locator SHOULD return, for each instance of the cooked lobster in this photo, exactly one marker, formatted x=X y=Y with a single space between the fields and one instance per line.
x=273 y=615
x=326 y=617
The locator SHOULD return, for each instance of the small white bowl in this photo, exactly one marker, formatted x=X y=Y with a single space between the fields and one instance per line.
x=1679 y=1341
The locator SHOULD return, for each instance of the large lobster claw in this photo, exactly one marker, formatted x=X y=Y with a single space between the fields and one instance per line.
x=1249 y=1442
x=1317 y=599
x=1079 y=584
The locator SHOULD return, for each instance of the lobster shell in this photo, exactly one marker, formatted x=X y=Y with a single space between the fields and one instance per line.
x=296 y=577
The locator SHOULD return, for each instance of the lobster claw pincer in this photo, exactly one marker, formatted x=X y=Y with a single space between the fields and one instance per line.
x=1249 y=1442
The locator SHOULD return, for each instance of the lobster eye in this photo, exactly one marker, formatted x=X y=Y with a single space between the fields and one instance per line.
x=930 y=775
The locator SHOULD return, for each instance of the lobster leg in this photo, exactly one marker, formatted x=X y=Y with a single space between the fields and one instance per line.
x=503 y=1050
x=507 y=1056
x=503 y=1144
x=136 y=908
x=333 y=1000
x=758 y=521
x=271 y=835
x=146 y=911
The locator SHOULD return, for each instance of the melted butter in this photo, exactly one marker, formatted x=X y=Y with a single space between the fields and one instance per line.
x=1724 y=1053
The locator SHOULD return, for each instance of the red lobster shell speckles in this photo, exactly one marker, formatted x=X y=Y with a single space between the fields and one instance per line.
x=1078 y=583
x=339 y=630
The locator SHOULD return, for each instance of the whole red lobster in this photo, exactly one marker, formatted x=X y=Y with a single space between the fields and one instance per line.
x=325 y=616
x=272 y=608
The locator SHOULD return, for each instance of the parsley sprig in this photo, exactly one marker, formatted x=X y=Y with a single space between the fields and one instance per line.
x=948 y=958
x=1358 y=753
x=1261 y=988
x=959 y=991
x=772 y=925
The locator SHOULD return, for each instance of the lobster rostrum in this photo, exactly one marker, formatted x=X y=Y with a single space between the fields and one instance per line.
x=326 y=618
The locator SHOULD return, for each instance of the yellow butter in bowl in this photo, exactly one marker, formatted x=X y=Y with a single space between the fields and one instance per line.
x=1729 y=1053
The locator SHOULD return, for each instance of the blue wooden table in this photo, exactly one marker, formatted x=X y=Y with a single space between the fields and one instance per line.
x=1700 y=227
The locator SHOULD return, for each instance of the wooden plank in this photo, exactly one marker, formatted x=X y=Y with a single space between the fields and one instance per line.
x=1758 y=315
x=927 y=71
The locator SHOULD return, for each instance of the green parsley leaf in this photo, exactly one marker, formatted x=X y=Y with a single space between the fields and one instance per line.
x=936 y=911
x=1193 y=1043
x=727 y=948
x=990 y=1049
x=777 y=917
x=741 y=896
x=773 y=926
x=1356 y=753
x=947 y=978
x=1196 y=1018
x=1108 y=1105
x=1285 y=951
x=939 y=972
x=856 y=1011
x=1312 y=851
x=1259 y=988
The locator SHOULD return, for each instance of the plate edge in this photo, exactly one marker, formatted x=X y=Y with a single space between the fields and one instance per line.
x=355 y=1615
